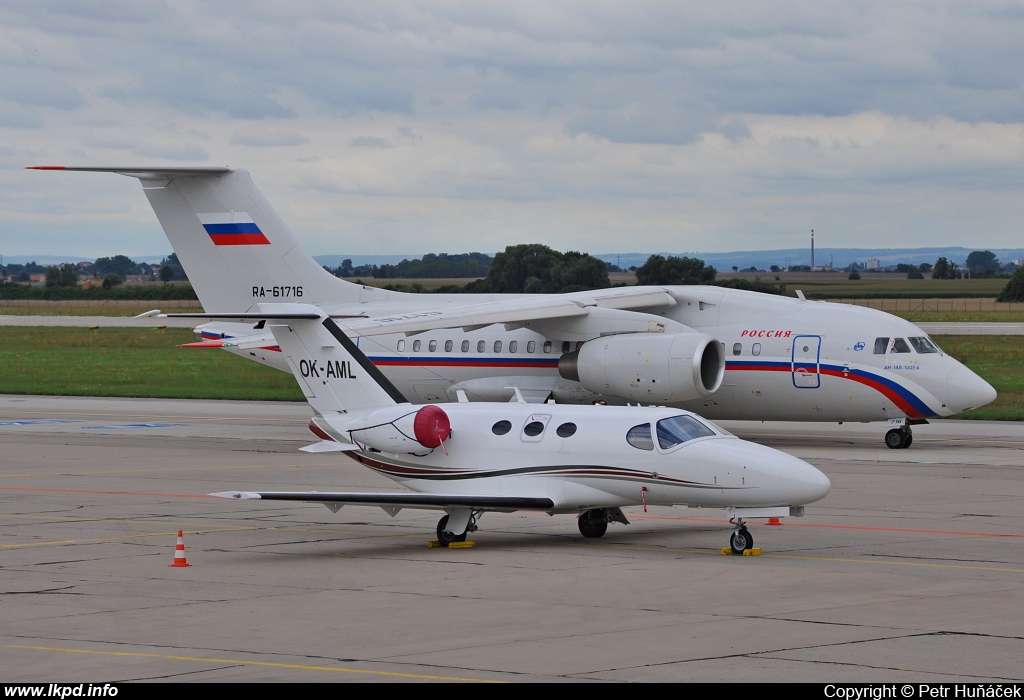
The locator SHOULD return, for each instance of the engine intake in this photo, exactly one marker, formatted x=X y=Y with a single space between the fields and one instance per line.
x=648 y=367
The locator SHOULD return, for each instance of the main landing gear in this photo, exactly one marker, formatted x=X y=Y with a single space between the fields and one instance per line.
x=741 y=539
x=594 y=522
x=446 y=537
x=899 y=438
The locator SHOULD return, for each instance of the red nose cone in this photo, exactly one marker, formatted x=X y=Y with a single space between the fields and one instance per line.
x=431 y=426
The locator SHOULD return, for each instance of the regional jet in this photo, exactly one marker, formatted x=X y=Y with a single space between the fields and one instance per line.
x=721 y=353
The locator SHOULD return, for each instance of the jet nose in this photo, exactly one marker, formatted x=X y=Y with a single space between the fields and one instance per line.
x=966 y=390
x=804 y=483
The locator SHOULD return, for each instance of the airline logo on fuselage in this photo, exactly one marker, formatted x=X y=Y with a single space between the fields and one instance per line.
x=766 y=334
x=232 y=228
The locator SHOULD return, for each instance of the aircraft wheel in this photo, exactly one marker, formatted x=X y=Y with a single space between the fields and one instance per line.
x=896 y=439
x=445 y=537
x=741 y=540
x=592 y=524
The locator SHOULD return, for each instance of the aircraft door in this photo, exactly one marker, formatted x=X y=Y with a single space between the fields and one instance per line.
x=805 y=362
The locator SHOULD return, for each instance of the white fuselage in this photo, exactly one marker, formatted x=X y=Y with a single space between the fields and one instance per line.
x=786 y=359
x=584 y=457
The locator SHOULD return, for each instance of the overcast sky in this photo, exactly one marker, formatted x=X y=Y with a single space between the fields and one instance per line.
x=401 y=127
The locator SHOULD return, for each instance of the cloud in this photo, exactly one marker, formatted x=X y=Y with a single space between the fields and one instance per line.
x=262 y=136
x=369 y=142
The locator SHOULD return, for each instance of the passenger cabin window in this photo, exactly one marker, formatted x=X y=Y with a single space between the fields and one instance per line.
x=447 y=346
x=432 y=346
x=465 y=346
x=501 y=427
x=881 y=345
x=497 y=346
x=531 y=347
x=923 y=345
x=401 y=345
x=565 y=346
x=679 y=429
x=639 y=436
x=566 y=430
x=533 y=428
x=481 y=346
x=416 y=345
x=899 y=345
x=755 y=349
x=547 y=346
x=513 y=345
x=737 y=348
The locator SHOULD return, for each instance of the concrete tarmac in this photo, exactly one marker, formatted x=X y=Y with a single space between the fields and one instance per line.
x=912 y=569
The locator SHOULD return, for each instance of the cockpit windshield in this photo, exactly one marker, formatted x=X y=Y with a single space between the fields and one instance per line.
x=923 y=345
x=679 y=429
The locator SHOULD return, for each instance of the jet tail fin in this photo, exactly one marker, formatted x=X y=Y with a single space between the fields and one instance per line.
x=333 y=373
x=235 y=248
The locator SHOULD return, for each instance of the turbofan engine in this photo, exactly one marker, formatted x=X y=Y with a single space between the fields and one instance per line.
x=399 y=429
x=648 y=367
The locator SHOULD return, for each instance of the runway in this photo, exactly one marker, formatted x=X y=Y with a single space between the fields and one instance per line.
x=912 y=569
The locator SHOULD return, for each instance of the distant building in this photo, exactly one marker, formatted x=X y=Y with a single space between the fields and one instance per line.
x=872 y=264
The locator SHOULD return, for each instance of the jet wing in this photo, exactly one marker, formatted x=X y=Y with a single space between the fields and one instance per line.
x=398 y=500
x=511 y=311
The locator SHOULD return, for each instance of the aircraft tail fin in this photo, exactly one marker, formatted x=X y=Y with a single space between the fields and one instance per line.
x=234 y=247
x=331 y=370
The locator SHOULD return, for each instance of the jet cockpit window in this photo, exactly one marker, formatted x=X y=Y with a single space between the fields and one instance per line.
x=679 y=429
x=881 y=345
x=639 y=436
x=923 y=345
x=899 y=345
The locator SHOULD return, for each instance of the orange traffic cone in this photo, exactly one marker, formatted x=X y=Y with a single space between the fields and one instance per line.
x=179 y=552
x=773 y=521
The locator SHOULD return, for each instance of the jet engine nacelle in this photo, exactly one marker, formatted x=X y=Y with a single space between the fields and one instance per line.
x=401 y=429
x=648 y=367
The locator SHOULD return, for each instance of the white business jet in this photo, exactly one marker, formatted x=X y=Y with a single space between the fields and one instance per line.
x=467 y=459
x=722 y=353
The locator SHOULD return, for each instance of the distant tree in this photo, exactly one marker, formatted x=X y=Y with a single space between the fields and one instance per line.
x=120 y=265
x=735 y=268
x=166 y=273
x=537 y=269
x=52 y=277
x=673 y=270
x=913 y=273
x=68 y=275
x=902 y=267
x=925 y=267
x=775 y=268
x=854 y=275
x=111 y=279
x=981 y=261
x=944 y=270
x=172 y=262
x=1014 y=289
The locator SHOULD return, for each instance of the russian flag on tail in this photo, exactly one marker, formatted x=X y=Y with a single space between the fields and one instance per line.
x=232 y=228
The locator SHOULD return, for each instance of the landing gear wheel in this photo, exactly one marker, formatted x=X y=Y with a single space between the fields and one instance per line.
x=898 y=438
x=592 y=523
x=741 y=540
x=445 y=537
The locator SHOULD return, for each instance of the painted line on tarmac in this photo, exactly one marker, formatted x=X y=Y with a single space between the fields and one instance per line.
x=107 y=493
x=865 y=528
x=262 y=664
x=171 y=469
x=127 y=537
x=90 y=416
x=890 y=562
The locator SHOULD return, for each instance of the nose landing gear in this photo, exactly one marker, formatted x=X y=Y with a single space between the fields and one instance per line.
x=741 y=539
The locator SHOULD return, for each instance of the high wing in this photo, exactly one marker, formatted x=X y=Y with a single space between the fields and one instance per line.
x=431 y=501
